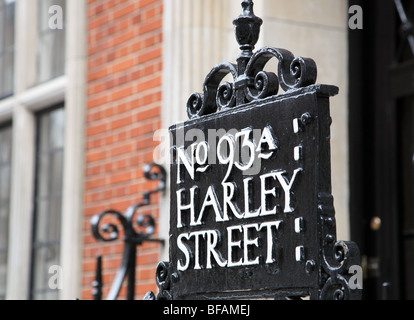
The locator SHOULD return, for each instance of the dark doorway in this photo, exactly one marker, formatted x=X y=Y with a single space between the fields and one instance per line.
x=382 y=146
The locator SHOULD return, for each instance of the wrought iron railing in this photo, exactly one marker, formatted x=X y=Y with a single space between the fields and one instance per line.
x=136 y=233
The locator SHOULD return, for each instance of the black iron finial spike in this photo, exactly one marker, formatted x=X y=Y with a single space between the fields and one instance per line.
x=247 y=7
x=247 y=27
x=247 y=30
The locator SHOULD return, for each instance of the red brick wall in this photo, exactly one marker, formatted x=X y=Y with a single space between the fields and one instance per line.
x=123 y=111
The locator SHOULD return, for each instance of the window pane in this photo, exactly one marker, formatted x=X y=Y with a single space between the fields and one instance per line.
x=4 y=230
x=2 y=78
x=59 y=57
x=50 y=166
x=52 y=133
x=5 y=145
x=43 y=133
x=46 y=46
x=48 y=220
x=2 y=26
x=57 y=125
x=3 y=274
x=50 y=153
x=42 y=210
x=7 y=36
x=5 y=183
x=44 y=258
x=51 y=50
x=9 y=25
x=45 y=16
x=53 y=232
x=8 y=69
x=49 y=174
x=56 y=167
x=43 y=183
x=40 y=272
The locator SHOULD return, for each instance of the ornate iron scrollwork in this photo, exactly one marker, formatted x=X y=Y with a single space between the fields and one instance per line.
x=136 y=231
x=336 y=256
x=163 y=279
x=337 y=262
x=251 y=81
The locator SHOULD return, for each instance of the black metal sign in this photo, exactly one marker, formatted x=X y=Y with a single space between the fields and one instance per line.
x=251 y=208
x=244 y=198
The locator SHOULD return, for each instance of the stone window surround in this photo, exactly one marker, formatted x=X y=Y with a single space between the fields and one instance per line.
x=20 y=108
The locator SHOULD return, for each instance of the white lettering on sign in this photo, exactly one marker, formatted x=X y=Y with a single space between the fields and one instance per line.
x=198 y=154
x=211 y=240
x=267 y=138
x=287 y=186
x=239 y=244
x=211 y=200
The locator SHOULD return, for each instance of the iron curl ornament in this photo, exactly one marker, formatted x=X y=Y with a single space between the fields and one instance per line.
x=337 y=257
x=137 y=229
x=250 y=80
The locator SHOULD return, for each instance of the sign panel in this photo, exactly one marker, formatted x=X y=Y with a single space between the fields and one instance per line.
x=246 y=184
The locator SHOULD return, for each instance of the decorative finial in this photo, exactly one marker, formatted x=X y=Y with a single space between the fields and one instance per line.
x=247 y=7
x=251 y=81
x=247 y=28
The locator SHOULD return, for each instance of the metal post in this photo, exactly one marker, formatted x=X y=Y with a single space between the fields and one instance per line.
x=131 y=273
x=97 y=284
